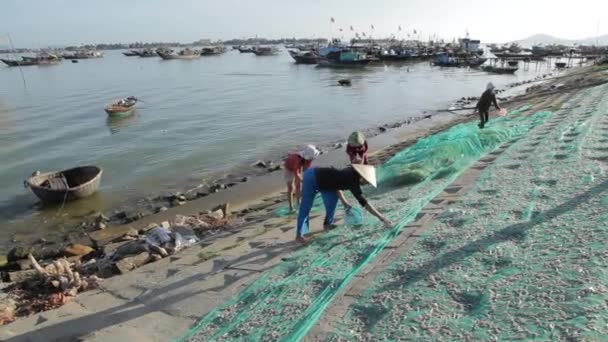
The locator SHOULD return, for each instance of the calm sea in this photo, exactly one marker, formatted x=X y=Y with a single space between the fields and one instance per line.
x=197 y=118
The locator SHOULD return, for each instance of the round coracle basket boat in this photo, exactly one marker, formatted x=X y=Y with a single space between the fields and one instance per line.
x=67 y=185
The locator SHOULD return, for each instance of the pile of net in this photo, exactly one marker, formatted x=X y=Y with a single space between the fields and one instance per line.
x=285 y=302
x=521 y=257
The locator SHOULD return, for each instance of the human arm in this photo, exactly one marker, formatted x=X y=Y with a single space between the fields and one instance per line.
x=494 y=101
x=344 y=201
x=372 y=210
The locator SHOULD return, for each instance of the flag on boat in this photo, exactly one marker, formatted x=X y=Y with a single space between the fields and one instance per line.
x=351 y=28
x=415 y=32
x=340 y=29
x=363 y=34
x=332 y=20
x=372 y=26
x=399 y=27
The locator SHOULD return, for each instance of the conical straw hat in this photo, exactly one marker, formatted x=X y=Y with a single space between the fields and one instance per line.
x=367 y=172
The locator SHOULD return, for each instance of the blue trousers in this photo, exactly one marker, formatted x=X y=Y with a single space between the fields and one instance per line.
x=309 y=192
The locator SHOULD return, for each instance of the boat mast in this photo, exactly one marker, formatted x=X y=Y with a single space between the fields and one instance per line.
x=10 y=42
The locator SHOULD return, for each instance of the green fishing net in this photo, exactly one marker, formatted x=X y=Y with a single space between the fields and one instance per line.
x=521 y=257
x=285 y=302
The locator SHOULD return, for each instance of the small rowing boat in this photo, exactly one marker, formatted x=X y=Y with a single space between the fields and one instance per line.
x=67 y=185
x=122 y=107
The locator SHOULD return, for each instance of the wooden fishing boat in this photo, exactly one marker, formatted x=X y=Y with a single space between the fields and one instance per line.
x=184 y=54
x=305 y=57
x=499 y=70
x=342 y=58
x=213 y=50
x=14 y=63
x=245 y=49
x=265 y=51
x=121 y=107
x=67 y=185
x=131 y=53
x=147 y=53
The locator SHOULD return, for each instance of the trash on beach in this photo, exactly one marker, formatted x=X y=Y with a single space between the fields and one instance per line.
x=502 y=112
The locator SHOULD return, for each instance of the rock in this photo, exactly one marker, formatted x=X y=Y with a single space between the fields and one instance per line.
x=191 y=196
x=112 y=247
x=149 y=227
x=224 y=209
x=161 y=209
x=121 y=215
x=77 y=250
x=130 y=263
x=101 y=218
x=202 y=194
x=181 y=198
x=156 y=257
x=130 y=248
x=260 y=164
x=46 y=252
x=7 y=310
x=382 y=129
x=216 y=214
x=230 y=185
x=100 y=225
x=20 y=276
x=24 y=264
x=111 y=234
x=245 y=179
x=177 y=203
x=135 y=217
x=165 y=224
x=274 y=168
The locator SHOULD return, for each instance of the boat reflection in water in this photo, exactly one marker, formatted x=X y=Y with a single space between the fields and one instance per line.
x=116 y=124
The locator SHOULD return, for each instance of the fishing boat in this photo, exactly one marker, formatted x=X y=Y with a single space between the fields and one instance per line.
x=83 y=54
x=147 y=53
x=43 y=59
x=499 y=70
x=67 y=185
x=560 y=65
x=184 y=54
x=265 y=51
x=213 y=50
x=22 y=62
x=340 y=57
x=122 y=107
x=246 y=49
x=305 y=57
x=131 y=53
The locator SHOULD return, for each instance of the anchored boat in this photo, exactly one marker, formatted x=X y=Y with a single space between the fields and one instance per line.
x=305 y=57
x=184 y=54
x=121 y=107
x=500 y=70
x=265 y=51
x=342 y=58
x=213 y=50
x=67 y=185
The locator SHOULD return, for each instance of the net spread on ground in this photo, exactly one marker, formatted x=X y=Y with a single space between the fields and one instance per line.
x=521 y=256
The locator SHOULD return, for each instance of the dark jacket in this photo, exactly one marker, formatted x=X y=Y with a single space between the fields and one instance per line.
x=331 y=179
x=486 y=100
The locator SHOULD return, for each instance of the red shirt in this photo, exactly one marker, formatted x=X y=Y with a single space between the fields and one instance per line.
x=359 y=152
x=295 y=163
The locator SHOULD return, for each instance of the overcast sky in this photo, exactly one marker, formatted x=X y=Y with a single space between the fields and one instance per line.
x=39 y=23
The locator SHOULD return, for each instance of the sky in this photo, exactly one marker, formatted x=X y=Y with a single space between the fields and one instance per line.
x=41 y=23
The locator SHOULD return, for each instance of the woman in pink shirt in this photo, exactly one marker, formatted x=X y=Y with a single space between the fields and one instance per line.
x=295 y=164
x=357 y=148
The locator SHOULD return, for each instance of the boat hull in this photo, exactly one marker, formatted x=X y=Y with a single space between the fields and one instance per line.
x=81 y=181
x=494 y=70
x=13 y=63
x=324 y=62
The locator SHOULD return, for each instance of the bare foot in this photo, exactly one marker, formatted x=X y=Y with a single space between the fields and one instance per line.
x=301 y=239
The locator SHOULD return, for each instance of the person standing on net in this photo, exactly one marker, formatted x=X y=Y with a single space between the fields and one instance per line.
x=295 y=164
x=357 y=148
x=483 y=106
x=330 y=182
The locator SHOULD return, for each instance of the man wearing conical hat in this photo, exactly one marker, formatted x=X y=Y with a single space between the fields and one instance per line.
x=330 y=182
x=483 y=105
